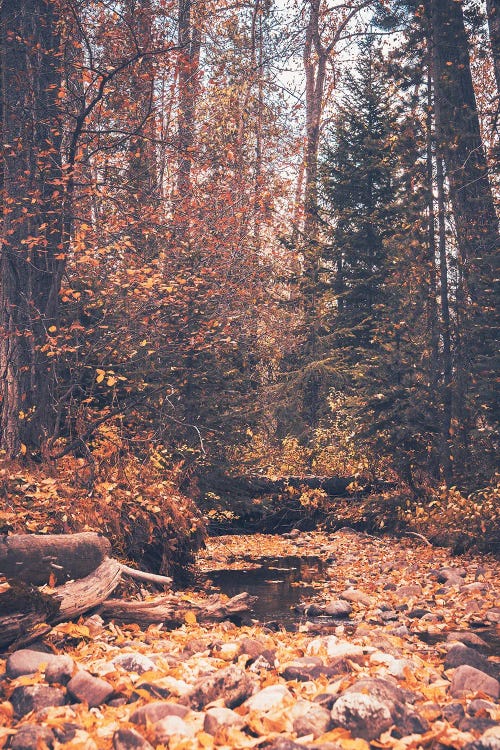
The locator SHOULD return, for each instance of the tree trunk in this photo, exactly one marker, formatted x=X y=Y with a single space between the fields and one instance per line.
x=493 y=12
x=470 y=192
x=32 y=256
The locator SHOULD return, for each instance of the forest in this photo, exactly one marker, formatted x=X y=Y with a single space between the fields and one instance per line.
x=248 y=369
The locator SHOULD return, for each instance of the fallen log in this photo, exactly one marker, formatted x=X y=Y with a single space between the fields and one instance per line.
x=33 y=558
x=173 y=611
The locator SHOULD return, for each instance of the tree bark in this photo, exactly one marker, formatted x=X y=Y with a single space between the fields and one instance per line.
x=32 y=257
x=32 y=558
x=493 y=13
x=470 y=192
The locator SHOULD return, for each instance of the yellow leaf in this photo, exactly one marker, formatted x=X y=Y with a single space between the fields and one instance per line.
x=111 y=381
x=23 y=449
x=190 y=618
x=100 y=375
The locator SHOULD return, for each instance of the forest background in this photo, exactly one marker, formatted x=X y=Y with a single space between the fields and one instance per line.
x=248 y=237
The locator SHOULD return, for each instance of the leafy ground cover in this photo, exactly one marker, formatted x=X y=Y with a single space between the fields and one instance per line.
x=364 y=679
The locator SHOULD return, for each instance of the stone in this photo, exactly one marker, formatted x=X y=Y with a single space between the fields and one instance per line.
x=316 y=721
x=231 y=684
x=459 y=654
x=252 y=647
x=313 y=610
x=282 y=743
x=134 y=662
x=172 y=726
x=260 y=663
x=66 y=731
x=451 y=576
x=26 y=661
x=269 y=698
x=326 y=700
x=476 y=724
x=408 y=591
x=479 y=704
x=219 y=717
x=467 y=679
x=338 y=608
x=453 y=713
x=359 y=597
x=363 y=715
x=32 y=736
x=493 y=615
x=153 y=712
x=335 y=649
x=59 y=670
x=490 y=740
x=129 y=739
x=418 y=613
x=467 y=638
x=85 y=688
x=383 y=690
x=28 y=698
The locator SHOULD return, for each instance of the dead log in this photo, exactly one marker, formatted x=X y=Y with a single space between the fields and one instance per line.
x=172 y=611
x=32 y=558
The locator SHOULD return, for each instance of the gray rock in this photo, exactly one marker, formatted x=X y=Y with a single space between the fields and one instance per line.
x=231 y=684
x=490 y=740
x=459 y=654
x=219 y=717
x=493 y=615
x=339 y=608
x=418 y=613
x=261 y=663
x=60 y=669
x=453 y=713
x=282 y=743
x=467 y=638
x=28 y=698
x=479 y=704
x=32 y=736
x=409 y=591
x=468 y=679
x=353 y=595
x=451 y=576
x=253 y=648
x=138 y=663
x=153 y=712
x=172 y=726
x=26 y=661
x=384 y=690
x=363 y=715
x=88 y=689
x=477 y=724
x=129 y=739
x=316 y=721
x=66 y=731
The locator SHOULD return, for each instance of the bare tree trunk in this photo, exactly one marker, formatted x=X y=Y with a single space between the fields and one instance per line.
x=493 y=12
x=470 y=192
x=32 y=255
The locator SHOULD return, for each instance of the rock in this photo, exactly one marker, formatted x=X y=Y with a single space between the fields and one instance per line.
x=59 y=670
x=269 y=698
x=459 y=654
x=172 y=726
x=316 y=721
x=476 y=724
x=26 y=661
x=363 y=715
x=335 y=649
x=313 y=610
x=338 y=608
x=384 y=690
x=282 y=743
x=467 y=679
x=305 y=673
x=493 y=615
x=451 y=576
x=88 y=689
x=453 y=713
x=153 y=712
x=490 y=740
x=134 y=662
x=28 y=698
x=293 y=534
x=418 y=613
x=409 y=591
x=219 y=717
x=66 y=731
x=253 y=648
x=467 y=638
x=261 y=663
x=32 y=736
x=326 y=700
x=129 y=739
x=231 y=684
x=479 y=704
x=353 y=595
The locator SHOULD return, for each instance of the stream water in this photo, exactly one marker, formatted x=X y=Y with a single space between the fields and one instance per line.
x=282 y=583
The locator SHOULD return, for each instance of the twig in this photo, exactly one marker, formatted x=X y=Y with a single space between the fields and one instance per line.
x=141 y=575
x=419 y=536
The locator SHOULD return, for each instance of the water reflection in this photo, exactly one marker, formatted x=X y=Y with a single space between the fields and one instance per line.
x=280 y=583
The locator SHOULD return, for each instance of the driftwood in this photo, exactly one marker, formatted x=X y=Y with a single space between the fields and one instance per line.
x=172 y=611
x=32 y=558
x=27 y=612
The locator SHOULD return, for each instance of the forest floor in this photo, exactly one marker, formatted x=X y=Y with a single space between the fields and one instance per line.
x=401 y=664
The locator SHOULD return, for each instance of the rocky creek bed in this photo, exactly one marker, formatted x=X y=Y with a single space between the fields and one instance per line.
x=396 y=646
